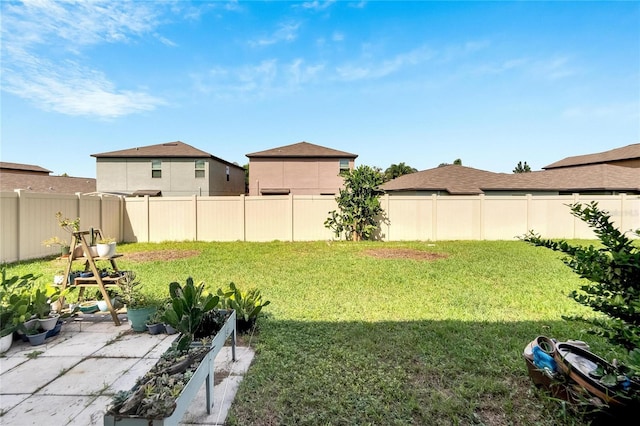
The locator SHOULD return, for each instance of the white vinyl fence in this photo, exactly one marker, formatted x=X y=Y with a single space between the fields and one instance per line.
x=26 y=218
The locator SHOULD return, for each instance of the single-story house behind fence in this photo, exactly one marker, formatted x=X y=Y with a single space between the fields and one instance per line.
x=607 y=173
x=32 y=178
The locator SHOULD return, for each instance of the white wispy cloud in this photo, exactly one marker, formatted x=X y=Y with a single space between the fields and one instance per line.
x=318 y=5
x=554 y=68
x=267 y=77
x=286 y=32
x=378 y=69
x=274 y=77
x=70 y=88
x=43 y=41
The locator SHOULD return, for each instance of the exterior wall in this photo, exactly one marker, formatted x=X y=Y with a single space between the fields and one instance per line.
x=218 y=183
x=301 y=176
x=125 y=176
x=26 y=218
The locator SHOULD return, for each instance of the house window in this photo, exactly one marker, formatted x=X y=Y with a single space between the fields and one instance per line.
x=156 y=168
x=227 y=171
x=199 y=168
x=344 y=165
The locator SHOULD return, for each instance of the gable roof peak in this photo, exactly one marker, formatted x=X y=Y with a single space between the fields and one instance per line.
x=302 y=149
x=177 y=149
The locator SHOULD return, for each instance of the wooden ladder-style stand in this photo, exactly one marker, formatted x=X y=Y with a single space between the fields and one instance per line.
x=79 y=239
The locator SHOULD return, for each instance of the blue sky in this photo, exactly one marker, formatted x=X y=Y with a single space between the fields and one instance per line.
x=420 y=82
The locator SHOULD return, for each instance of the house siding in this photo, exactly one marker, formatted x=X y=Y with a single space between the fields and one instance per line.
x=300 y=176
x=127 y=175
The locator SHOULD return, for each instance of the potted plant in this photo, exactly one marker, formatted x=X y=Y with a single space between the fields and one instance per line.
x=41 y=299
x=68 y=225
x=112 y=293
x=14 y=306
x=154 y=323
x=247 y=305
x=106 y=246
x=36 y=336
x=55 y=241
x=139 y=309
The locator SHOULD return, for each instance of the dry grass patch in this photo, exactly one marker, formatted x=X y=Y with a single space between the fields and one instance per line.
x=404 y=253
x=162 y=255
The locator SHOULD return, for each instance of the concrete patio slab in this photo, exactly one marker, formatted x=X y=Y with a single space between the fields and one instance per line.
x=46 y=410
x=30 y=376
x=70 y=380
x=93 y=414
x=130 y=346
x=92 y=376
x=128 y=380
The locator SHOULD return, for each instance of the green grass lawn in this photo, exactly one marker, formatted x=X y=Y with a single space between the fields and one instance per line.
x=352 y=339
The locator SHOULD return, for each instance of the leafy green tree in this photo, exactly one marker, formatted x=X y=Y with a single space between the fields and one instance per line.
x=456 y=162
x=359 y=205
x=246 y=178
x=522 y=168
x=397 y=170
x=612 y=273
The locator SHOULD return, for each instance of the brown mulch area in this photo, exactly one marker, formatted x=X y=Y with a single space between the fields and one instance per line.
x=400 y=253
x=154 y=256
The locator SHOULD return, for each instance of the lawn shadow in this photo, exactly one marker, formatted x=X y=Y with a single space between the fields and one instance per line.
x=413 y=372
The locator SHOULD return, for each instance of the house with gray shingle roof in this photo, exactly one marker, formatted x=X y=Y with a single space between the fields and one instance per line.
x=169 y=169
x=32 y=178
x=300 y=168
x=608 y=173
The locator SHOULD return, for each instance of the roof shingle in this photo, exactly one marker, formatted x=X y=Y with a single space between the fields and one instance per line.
x=302 y=149
x=176 y=149
x=461 y=180
x=629 y=152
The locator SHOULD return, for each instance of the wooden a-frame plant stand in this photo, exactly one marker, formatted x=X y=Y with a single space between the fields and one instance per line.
x=79 y=239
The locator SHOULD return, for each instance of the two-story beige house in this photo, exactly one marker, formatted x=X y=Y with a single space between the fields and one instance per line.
x=299 y=169
x=167 y=169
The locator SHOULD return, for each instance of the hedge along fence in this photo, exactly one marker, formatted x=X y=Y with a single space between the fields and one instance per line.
x=28 y=218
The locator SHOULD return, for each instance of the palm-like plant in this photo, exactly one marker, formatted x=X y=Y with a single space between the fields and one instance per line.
x=397 y=170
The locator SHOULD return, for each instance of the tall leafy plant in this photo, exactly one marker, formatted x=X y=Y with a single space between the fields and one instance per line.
x=612 y=274
x=15 y=304
x=246 y=303
x=188 y=306
x=359 y=205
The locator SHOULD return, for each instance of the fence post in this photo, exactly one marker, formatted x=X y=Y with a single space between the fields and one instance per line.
x=243 y=207
x=291 y=224
x=20 y=222
x=194 y=198
x=434 y=216
x=623 y=199
x=148 y=214
x=482 y=221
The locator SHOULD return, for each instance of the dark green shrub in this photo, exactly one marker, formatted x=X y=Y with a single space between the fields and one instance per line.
x=359 y=205
x=612 y=273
